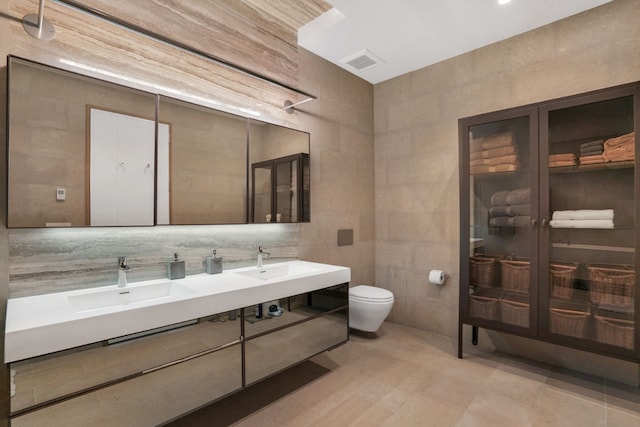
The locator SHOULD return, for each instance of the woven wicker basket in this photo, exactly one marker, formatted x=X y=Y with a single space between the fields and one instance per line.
x=616 y=332
x=568 y=322
x=612 y=285
x=515 y=275
x=561 y=280
x=514 y=313
x=481 y=271
x=483 y=307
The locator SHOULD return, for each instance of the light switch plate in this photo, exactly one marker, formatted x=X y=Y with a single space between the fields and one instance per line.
x=61 y=194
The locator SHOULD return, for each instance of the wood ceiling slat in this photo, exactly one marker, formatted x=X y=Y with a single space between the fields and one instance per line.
x=258 y=35
x=116 y=54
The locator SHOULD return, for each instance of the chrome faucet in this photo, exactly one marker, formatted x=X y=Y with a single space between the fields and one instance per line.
x=262 y=253
x=123 y=269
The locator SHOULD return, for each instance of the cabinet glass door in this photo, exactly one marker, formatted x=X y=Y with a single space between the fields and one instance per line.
x=502 y=222
x=287 y=191
x=262 y=196
x=588 y=197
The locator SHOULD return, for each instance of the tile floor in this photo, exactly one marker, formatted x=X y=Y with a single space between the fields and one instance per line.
x=407 y=377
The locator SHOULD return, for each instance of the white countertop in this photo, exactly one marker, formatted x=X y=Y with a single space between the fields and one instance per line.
x=44 y=324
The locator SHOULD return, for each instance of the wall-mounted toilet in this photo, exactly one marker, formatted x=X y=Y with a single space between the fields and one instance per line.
x=368 y=307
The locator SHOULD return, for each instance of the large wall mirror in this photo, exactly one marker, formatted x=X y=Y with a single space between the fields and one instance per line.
x=71 y=157
x=206 y=166
x=84 y=152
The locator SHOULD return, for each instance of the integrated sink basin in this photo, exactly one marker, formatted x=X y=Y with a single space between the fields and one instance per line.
x=42 y=324
x=127 y=295
x=276 y=271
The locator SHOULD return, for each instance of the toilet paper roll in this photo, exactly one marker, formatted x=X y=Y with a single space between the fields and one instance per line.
x=436 y=277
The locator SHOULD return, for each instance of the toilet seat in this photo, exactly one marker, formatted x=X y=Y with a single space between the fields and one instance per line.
x=370 y=294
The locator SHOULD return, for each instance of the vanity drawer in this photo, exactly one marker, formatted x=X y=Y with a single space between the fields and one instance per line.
x=271 y=353
x=53 y=376
x=150 y=399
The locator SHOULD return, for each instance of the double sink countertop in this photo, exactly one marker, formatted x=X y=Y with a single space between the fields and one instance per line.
x=43 y=324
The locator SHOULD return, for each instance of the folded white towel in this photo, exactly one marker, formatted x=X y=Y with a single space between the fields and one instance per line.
x=584 y=214
x=581 y=223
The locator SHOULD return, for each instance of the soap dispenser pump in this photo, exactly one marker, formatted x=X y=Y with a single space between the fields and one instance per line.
x=175 y=268
x=213 y=264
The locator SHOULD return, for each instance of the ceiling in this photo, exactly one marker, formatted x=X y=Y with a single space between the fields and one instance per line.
x=400 y=36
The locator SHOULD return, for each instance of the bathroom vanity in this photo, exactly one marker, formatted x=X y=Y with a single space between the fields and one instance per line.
x=550 y=192
x=152 y=351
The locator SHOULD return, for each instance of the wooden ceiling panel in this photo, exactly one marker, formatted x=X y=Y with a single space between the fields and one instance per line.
x=258 y=35
x=292 y=12
x=97 y=48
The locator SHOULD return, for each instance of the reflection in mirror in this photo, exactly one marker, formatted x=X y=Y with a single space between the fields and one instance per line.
x=202 y=174
x=50 y=180
x=279 y=182
x=121 y=167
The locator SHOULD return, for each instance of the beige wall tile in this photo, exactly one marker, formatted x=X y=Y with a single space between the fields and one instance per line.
x=340 y=123
x=416 y=145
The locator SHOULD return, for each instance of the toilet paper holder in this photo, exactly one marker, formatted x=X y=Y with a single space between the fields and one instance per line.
x=437 y=277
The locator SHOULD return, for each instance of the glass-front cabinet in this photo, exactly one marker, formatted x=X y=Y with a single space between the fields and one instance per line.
x=548 y=217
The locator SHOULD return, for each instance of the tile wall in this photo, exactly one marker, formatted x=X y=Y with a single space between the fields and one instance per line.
x=416 y=147
x=340 y=123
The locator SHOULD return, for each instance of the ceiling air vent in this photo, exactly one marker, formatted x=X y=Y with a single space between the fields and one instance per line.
x=362 y=60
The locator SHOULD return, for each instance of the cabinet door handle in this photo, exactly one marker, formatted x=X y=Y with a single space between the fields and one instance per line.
x=544 y=222
x=534 y=222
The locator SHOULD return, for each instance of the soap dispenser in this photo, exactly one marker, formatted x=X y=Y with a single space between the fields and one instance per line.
x=175 y=268
x=213 y=264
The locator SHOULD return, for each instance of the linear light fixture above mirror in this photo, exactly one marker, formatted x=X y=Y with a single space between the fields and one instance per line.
x=190 y=49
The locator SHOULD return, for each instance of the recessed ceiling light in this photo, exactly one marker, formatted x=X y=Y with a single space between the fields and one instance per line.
x=503 y=1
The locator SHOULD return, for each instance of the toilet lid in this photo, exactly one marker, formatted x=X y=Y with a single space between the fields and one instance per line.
x=365 y=292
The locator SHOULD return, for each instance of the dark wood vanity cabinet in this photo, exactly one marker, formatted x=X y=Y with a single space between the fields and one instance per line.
x=548 y=240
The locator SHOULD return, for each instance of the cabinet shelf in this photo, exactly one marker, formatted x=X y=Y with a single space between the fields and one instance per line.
x=563 y=169
x=587 y=247
x=581 y=301
x=521 y=172
x=593 y=167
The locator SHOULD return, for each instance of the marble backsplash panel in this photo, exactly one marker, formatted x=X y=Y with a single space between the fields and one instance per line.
x=54 y=260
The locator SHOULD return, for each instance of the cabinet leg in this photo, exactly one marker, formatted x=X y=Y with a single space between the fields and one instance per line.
x=459 y=340
x=474 y=335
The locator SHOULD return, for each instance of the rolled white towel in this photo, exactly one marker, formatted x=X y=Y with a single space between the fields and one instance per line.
x=584 y=214
x=581 y=223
